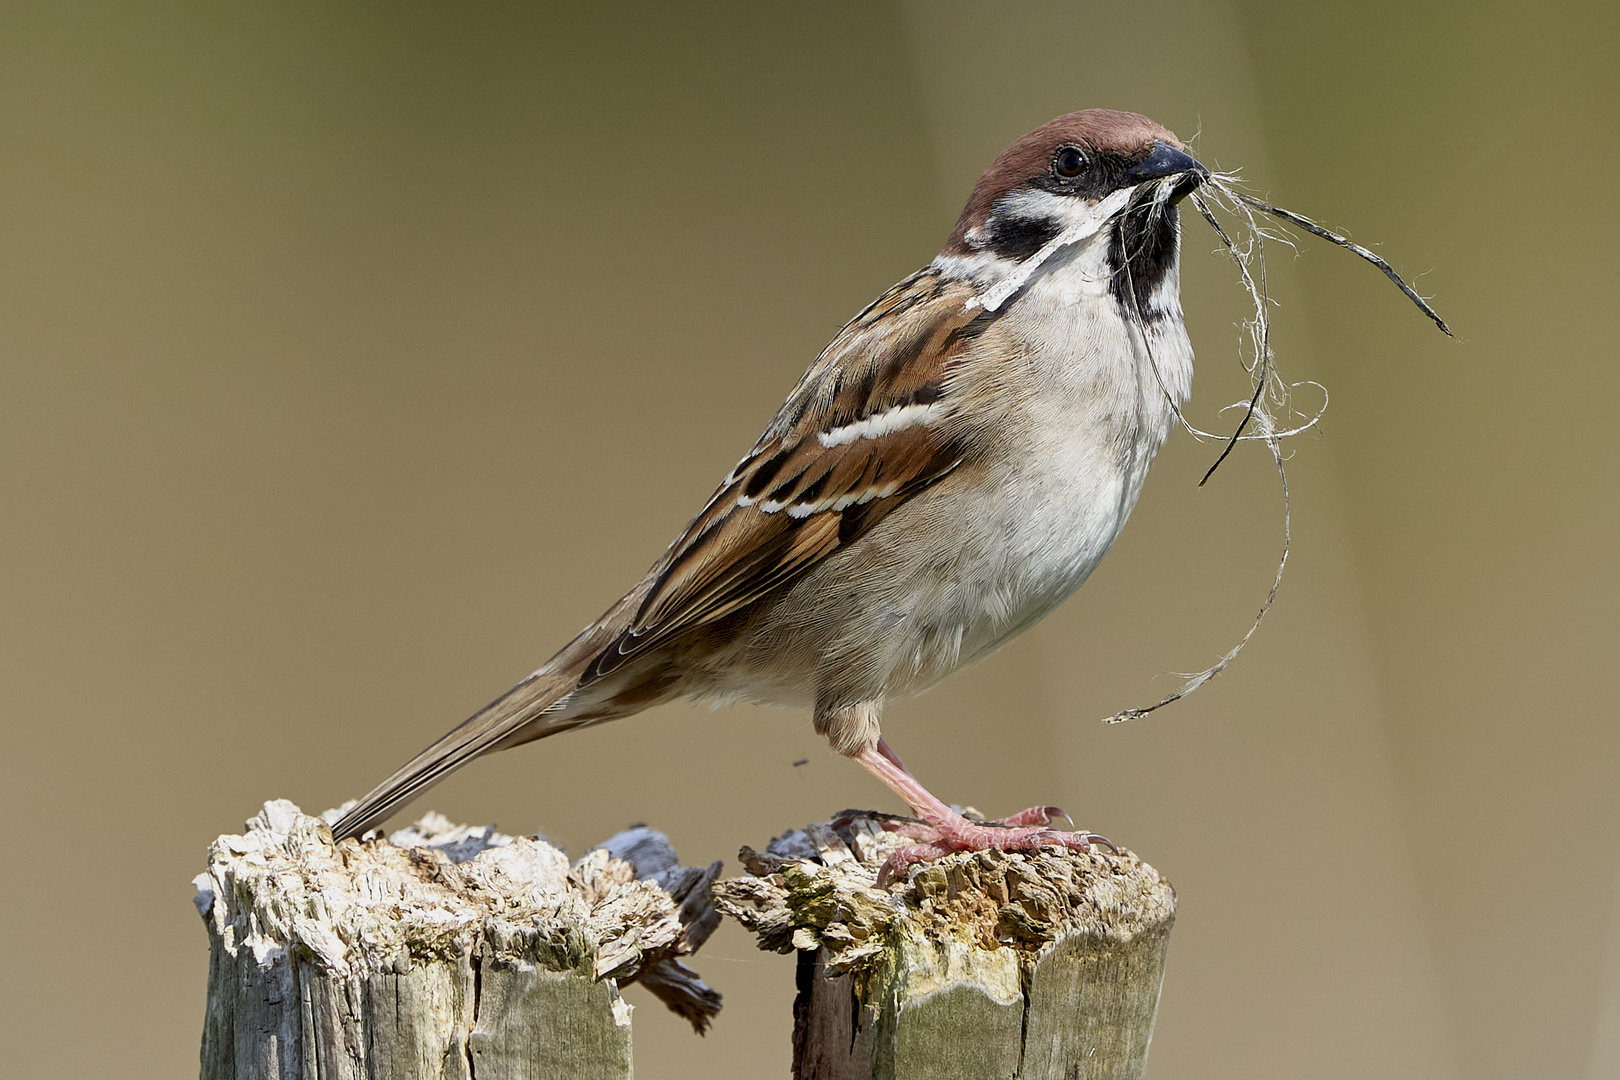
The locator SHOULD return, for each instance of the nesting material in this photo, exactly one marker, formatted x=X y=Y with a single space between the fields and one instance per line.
x=1269 y=400
x=1046 y=964
x=443 y=951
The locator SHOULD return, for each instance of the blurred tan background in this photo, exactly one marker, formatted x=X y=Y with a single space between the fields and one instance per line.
x=353 y=356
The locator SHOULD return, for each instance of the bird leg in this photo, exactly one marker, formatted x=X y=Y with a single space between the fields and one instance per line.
x=943 y=830
x=1035 y=815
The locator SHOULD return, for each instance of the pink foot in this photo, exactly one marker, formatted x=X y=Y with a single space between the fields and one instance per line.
x=1035 y=815
x=943 y=830
x=954 y=833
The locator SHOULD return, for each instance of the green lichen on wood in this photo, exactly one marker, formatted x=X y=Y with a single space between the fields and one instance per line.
x=1043 y=965
x=353 y=907
x=440 y=954
x=817 y=889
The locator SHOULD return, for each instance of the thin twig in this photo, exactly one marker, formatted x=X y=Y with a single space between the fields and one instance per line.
x=1349 y=245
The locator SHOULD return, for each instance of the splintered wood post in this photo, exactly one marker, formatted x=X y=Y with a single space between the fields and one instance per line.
x=443 y=953
x=1039 y=966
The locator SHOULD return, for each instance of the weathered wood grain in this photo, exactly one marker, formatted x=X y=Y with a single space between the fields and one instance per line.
x=444 y=953
x=1040 y=966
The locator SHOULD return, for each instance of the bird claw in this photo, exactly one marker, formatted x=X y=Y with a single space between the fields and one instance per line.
x=1009 y=834
x=1035 y=815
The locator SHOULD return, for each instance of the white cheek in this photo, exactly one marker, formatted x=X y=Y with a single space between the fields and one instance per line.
x=1069 y=211
x=1082 y=222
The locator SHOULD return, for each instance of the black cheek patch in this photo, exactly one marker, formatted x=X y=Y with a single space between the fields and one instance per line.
x=1019 y=238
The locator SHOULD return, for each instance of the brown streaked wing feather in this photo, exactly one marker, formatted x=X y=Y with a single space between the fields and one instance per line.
x=897 y=352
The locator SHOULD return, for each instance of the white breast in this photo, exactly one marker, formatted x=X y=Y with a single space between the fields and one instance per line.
x=1067 y=405
x=1076 y=414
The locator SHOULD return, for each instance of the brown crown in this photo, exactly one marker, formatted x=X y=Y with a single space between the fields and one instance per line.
x=1099 y=131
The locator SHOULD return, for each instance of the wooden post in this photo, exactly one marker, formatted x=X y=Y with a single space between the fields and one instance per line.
x=448 y=952
x=1045 y=966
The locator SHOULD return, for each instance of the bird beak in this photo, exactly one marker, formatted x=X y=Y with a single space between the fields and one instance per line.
x=1165 y=160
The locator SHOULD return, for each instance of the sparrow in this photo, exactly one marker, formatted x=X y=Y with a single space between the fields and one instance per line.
x=950 y=469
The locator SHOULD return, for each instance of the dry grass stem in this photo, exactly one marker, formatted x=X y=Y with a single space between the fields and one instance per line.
x=1270 y=392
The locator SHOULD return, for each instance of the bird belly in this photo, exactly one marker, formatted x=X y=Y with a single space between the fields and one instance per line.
x=1069 y=460
x=1025 y=544
x=979 y=557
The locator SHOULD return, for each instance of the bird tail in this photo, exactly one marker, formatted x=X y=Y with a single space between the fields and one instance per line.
x=499 y=724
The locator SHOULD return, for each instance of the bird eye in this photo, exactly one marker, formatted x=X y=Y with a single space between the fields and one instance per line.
x=1069 y=163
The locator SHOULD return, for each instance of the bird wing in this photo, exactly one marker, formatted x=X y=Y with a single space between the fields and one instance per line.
x=867 y=427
